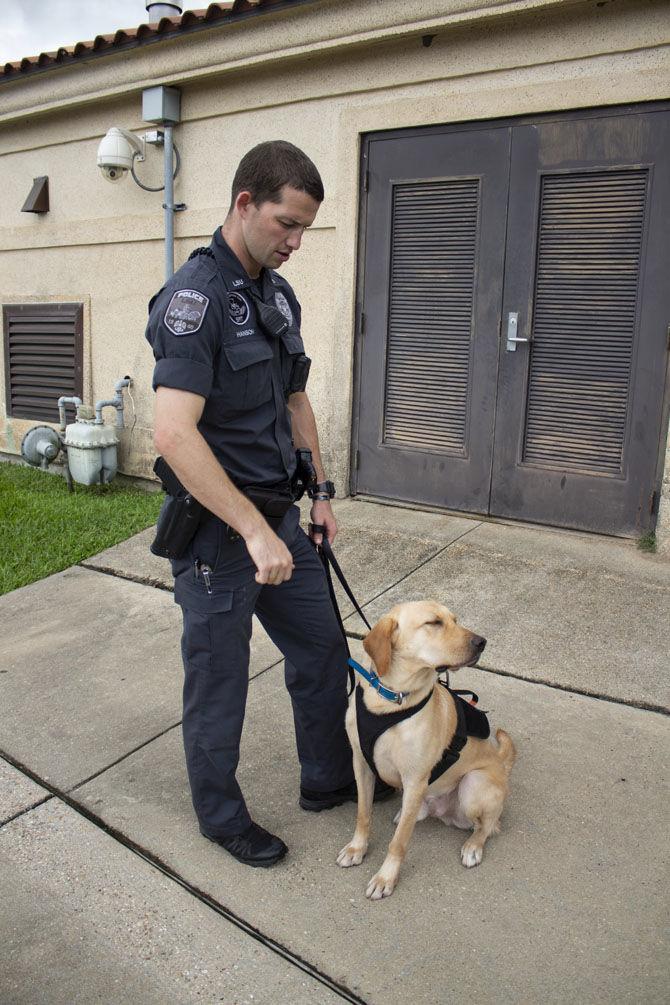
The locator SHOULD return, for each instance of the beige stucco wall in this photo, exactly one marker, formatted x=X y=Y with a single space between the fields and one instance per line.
x=320 y=76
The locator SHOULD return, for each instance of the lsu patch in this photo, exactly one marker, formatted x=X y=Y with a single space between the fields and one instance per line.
x=186 y=312
x=238 y=308
x=283 y=306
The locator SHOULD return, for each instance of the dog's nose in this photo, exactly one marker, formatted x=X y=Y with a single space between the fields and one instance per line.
x=478 y=643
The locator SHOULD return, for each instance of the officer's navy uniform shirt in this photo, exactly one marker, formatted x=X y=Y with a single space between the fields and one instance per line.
x=205 y=335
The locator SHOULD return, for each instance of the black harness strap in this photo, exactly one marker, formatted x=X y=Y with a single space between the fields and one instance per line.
x=458 y=741
x=471 y=722
x=371 y=726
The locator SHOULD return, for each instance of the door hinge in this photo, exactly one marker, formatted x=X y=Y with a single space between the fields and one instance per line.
x=668 y=338
x=653 y=503
x=366 y=180
x=362 y=325
x=357 y=460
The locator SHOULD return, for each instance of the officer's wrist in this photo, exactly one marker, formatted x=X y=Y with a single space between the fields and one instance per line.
x=249 y=521
x=322 y=490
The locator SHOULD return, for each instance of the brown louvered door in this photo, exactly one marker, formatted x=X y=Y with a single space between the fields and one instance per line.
x=43 y=358
x=435 y=235
x=579 y=410
x=563 y=222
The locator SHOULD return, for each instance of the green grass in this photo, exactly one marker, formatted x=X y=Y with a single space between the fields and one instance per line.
x=44 y=528
x=647 y=542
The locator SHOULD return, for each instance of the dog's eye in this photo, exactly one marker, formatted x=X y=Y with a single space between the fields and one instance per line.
x=436 y=622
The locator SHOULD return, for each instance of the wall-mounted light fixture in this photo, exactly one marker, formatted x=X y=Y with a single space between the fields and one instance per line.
x=38 y=197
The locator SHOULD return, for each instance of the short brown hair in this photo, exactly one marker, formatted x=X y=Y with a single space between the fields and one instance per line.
x=267 y=167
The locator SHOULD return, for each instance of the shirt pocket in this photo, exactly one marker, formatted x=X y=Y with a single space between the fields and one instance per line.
x=245 y=375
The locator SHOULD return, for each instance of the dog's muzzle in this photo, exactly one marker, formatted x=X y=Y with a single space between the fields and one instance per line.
x=477 y=644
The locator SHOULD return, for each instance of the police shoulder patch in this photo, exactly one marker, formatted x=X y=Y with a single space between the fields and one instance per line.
x=186 y=312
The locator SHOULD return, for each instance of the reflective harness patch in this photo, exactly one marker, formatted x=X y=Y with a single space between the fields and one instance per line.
x=471 y=722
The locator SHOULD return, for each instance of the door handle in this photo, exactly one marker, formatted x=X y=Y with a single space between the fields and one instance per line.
x=512 y=328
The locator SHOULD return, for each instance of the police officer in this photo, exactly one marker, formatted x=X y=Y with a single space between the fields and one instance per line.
x=231 y=409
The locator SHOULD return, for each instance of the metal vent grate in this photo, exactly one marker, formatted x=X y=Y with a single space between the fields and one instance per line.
x=584 y=319
x=434 y=247
x=43 y=358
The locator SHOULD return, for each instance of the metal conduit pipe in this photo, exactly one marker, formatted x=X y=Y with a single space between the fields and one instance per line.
x=115 y=402
x=168 y=205
x=62 y=402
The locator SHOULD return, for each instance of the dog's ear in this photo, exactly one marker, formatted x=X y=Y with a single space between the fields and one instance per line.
x=379 y=642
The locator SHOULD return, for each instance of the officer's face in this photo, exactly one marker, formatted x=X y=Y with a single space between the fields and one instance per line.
x=273 y=230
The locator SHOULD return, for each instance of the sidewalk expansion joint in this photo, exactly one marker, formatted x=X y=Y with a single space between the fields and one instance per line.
x=145 y=743
x=107 y=570
x=645 y=706
x=112 y=764
x=123 y=757
x=266 y=940
x=391 y=586
x=26 y=809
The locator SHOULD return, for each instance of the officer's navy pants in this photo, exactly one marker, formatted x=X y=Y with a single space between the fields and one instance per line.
x=299 y=618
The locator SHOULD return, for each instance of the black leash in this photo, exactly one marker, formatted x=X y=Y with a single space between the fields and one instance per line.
x=328 y=560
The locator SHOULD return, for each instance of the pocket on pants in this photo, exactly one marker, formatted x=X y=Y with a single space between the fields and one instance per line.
x=197 y=640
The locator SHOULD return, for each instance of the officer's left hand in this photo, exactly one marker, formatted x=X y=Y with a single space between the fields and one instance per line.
x=322 y=513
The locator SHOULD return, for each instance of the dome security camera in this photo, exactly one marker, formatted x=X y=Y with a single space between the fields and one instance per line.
x=117 y=151
x=112 y=173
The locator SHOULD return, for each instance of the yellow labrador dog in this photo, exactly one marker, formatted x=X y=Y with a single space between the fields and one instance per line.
x=429 y=750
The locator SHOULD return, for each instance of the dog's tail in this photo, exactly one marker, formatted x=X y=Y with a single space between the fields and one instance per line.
x=506 y=749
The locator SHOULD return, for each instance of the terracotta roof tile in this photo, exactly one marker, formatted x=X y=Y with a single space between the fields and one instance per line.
x=126 y=38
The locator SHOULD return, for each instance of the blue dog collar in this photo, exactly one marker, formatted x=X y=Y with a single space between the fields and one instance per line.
x=397 y=697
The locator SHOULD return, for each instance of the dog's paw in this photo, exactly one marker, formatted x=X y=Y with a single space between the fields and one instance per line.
x=351 y=855
x=380 y=886
x=471 y=854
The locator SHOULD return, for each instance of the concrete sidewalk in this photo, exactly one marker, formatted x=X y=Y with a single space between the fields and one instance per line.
x=111 y=895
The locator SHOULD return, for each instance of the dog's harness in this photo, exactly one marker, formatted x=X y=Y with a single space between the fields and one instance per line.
x=471 y=722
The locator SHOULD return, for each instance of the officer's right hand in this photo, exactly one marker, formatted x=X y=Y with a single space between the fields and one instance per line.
x=273 y=560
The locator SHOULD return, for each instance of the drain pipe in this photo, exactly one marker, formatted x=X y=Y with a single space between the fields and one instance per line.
x=115 y=402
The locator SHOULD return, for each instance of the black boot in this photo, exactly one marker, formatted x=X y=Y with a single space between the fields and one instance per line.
x=317 y=801
x=254 y=846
